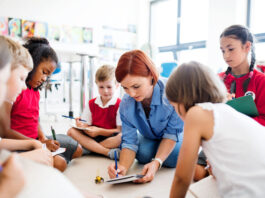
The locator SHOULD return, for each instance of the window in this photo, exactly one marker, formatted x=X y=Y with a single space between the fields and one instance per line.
x=163 y=23
x=257 y=16
x=194 y=20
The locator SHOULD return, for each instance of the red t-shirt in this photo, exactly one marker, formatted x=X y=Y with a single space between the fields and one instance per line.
x=256 y=87
x=25 y=113
x=104 y=117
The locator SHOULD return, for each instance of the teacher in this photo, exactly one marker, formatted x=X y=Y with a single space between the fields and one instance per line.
x=151 y=129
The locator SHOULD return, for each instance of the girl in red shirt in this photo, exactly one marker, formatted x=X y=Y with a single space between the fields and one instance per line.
x=24 y=112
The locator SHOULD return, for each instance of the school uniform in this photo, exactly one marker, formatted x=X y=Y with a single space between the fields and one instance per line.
x=25 y=120
x=143 y=134
x=255 y=88
x=106 y=117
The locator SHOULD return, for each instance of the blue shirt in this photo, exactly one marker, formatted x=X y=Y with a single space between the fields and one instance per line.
x=163 y=121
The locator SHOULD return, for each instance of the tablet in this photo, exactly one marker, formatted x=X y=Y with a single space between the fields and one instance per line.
x=123 y=179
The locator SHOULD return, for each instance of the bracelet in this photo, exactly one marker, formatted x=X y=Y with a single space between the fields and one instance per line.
x=159 y=160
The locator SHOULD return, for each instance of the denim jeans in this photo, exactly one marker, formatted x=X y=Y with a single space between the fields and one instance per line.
x=147 y=150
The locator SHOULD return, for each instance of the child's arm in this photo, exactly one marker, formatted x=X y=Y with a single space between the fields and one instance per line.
x=52 y=145
x=198 y=125
x=7 y=132
x=96 y=131
x=14 y=145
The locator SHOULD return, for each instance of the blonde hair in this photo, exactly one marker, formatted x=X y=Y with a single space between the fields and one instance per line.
x=192 y=83
x=20 y=55
x=104 y=73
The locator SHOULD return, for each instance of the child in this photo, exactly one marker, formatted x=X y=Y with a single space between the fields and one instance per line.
x=24 y=112
x=21 y=64
x=232 y=141
x=240 y=78
x=102 y=116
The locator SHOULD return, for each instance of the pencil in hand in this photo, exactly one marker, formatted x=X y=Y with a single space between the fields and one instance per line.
x=53 y=133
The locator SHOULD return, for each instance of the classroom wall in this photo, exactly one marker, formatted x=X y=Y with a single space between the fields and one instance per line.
x=221 y=15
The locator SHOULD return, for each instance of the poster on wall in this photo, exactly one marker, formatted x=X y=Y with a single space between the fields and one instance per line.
x=41 y=29
x=3 y=26
x=87 y=35
x=14 y=27
x=66 y=34
x=54 y=33
x=76 y=35
x=27 y=28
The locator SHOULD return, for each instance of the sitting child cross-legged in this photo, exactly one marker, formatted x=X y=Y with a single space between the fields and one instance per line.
x=103 y=121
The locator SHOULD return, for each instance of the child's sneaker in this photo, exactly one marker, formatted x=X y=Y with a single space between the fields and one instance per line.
x=112 y=155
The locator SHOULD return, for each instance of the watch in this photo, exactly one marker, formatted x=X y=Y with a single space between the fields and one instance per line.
x=159 y=160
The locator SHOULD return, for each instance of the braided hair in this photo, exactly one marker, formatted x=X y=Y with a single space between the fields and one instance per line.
x=40 y=50
x=243 y=34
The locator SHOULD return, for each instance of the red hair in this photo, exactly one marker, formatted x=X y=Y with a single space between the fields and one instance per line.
x=137 y=63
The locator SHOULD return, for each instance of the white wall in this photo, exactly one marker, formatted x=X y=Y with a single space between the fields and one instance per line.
x=221 y=15
x=84 y=13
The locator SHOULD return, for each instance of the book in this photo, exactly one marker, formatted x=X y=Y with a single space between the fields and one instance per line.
x=123 y=179
x=245 y=105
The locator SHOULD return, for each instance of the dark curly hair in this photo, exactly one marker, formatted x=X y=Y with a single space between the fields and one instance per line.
x=40 y=50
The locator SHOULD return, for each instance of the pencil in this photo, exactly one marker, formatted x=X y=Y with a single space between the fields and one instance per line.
x=53 y=133
x=116 y=163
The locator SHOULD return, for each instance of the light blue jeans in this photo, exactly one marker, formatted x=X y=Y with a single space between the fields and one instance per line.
x=147 y=150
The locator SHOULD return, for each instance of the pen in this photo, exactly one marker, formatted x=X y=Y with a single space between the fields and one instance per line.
x=53 y=133
x=116 y=164
x=73 y=118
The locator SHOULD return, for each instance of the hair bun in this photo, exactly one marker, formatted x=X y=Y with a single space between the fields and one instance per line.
x=37 y=40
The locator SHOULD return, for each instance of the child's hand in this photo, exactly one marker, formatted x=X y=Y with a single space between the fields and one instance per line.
x=93 y=131
x=12 y=178
x=209 y=168
x=36 y=144
x=52 y=145
x=113 y=173
x=230 y=96
x=149 y=172
x=80 y=123
x=42 y=156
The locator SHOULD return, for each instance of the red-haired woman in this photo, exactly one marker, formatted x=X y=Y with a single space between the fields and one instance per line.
x=151 y=129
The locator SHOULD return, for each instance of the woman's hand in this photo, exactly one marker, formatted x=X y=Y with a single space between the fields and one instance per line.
x=149 y=172
x=121 y=170
x=52 y=145
x=12 y=178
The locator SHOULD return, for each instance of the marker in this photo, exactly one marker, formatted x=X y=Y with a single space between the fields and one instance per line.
x=116 y=164
x=73 y=118
x=53 y=133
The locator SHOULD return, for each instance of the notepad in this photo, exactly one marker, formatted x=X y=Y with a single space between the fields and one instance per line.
x=80 y=128
x=58 y=151
x=123 y=179
x=245 y=105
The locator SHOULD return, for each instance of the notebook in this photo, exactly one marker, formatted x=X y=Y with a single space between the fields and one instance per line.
x=123 y=179
x=245 y=105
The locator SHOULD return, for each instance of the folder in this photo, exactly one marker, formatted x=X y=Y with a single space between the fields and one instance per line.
x=245 y=105
x=123 y=179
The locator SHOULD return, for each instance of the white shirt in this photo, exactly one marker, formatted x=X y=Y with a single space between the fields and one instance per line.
x=86 y=115
x=236 y=152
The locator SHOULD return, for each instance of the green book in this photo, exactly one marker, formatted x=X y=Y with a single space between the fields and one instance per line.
x=245 y=105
